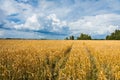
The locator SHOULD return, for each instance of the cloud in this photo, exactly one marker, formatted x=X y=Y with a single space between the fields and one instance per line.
x=1 y=33
x=31 y=23
x=96 y=25
x=27 y=34
x=43 y=24
x=31 y=2
x=2 y=15
x=19 y=34
x=8 y=6
x=60 y=17
x=29 y=17
x=56 y=24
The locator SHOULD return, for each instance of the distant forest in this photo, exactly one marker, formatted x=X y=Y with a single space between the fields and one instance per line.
x=113 y=36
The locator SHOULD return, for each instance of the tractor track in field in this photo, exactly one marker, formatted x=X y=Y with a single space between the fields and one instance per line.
x=62 y=60
x=93 y=73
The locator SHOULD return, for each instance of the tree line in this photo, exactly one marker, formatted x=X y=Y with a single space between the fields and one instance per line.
x=113 y=36
x=81 y=37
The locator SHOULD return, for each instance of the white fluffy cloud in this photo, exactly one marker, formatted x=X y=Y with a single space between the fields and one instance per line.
x=31 y=23
x=56 y=23
x=99 y=24
x=48 y=23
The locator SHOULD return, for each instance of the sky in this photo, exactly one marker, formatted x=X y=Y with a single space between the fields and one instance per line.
x=57 y=19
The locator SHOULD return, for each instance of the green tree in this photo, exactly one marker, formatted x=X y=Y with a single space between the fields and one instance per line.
x=72 y=37
x=114 y=36
x=84 y=37
x=66 y=38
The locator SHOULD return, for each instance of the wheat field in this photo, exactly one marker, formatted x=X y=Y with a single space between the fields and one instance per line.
x=59 y=60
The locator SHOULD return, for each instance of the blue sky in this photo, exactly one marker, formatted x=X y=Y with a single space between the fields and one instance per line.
x=56 y=19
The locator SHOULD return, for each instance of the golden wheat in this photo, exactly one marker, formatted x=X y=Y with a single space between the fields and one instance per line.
x=59 y=60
